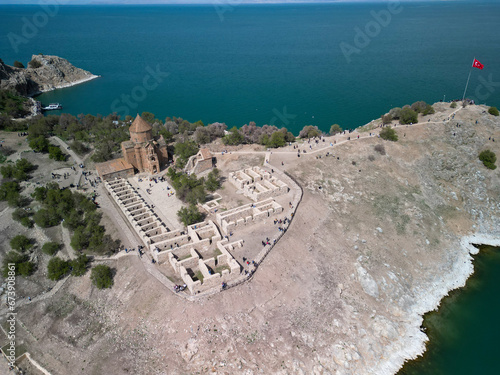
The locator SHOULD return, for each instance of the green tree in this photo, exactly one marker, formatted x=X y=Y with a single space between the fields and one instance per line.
x=56 y=153
x=428 y=110
x=57 y=268
x=493 y=111
x=453 y=105
x=335 y=129
x=488 y=158
x=148 y=117
x=389 y=134
x=18 y=64
x=234 y=137
x=309 y=131
x=277 y=140
x=408 y=116
x=79 y=265
x=9 y=191
x=21 y=243
x=190 y=215
x=51 y=248
x=39 y=144
x=47 y=217
x=212 y=182
x=102 y=276
x=395 y=113
x=22 y=264
x=79 y=147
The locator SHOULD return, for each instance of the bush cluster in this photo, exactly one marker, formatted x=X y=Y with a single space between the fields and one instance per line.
x=189 y=189
x=11 y=105
x=389 y=134
x=102 y=276
x=19 y=171
x=79 y=215
x=488 y=158
x=493 y=111
x=23 y=265
x=58 y=268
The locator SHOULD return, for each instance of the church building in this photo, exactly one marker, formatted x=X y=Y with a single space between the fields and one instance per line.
x=142 y=153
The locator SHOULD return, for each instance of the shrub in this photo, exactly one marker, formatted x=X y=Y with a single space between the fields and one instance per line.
x=408 y=116
x=212 y=182
x=190 y=215
x=429 y=110
x=309 y=131
x=18 y=64
x=493 y=111
x=395 y=113
x=380 y=149
x=21 y=243
x=51 y=248
x=34 y=64
x=102 y=276
x=389 y=134
x=453 y=105
x=79 y=265
x=488 y=158
x=234 y=137
x=335 y=128
x=386 y=119
x=419 y=107
x=57 y=269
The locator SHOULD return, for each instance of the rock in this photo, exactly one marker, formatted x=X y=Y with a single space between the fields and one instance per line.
x=191 y=350
x=367 y=282
x=379 y=230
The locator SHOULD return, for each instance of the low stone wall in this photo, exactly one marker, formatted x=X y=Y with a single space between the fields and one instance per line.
x=247 y=214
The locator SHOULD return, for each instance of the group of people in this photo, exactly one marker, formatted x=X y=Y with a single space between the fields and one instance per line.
x=179 y=288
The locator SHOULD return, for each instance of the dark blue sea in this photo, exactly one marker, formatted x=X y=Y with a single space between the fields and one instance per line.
x=288 y=65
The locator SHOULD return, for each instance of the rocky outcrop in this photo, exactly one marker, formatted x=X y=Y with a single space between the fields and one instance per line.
x=51 y=73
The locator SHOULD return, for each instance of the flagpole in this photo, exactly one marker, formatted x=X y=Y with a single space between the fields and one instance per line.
x=467 y=85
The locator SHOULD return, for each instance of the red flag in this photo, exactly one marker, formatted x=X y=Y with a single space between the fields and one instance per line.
x=477 y=64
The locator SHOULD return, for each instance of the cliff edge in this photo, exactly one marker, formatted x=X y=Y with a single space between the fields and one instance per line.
x=44 y=73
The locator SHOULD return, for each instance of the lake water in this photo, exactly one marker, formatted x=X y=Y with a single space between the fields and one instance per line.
x=464 y=331
x=272 y=64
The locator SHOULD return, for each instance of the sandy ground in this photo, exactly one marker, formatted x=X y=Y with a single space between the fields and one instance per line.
x=376 y=241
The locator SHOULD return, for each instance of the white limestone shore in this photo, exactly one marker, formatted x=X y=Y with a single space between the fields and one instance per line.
x=69 y=84
x=412 y=345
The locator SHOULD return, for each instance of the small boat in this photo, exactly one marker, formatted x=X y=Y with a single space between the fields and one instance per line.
x=52 y=107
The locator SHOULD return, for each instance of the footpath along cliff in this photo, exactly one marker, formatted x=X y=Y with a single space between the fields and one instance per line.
x=43 y=73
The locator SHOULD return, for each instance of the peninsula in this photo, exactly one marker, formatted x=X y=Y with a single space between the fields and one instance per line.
x=43 y=73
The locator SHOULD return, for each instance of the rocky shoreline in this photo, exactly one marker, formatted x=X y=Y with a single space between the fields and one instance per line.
x=415 y=345
x=44 y=73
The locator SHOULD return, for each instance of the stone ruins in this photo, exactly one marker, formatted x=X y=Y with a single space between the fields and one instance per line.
x=258 y=184
x=198 y=254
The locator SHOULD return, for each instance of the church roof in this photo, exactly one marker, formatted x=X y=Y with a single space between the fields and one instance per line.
x=140 y=126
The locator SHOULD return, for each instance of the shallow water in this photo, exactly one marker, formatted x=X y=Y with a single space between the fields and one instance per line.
x=464 y=332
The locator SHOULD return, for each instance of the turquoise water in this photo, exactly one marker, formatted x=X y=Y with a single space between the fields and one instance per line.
x=464 y=332
x=279 y=64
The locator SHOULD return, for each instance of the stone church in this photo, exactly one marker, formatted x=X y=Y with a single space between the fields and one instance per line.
x=142 y=153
